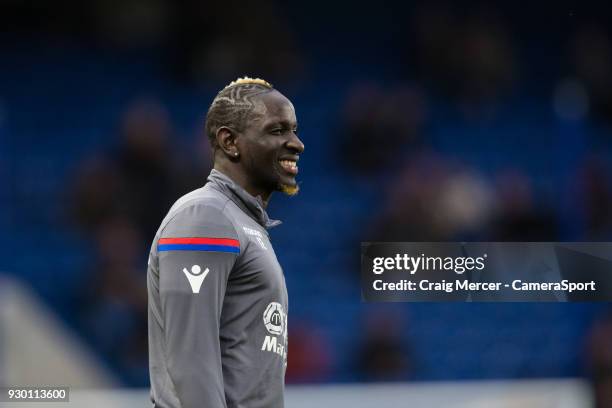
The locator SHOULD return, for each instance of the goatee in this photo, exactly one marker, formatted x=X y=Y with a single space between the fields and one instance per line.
x=289 y=190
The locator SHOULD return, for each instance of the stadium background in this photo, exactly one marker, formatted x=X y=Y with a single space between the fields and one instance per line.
x=424 y=121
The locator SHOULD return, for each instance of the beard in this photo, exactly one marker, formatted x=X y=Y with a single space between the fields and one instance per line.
x=289 y=190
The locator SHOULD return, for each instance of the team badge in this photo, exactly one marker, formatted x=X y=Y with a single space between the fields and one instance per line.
x=274 y=318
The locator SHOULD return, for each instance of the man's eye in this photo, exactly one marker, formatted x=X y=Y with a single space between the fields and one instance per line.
x=277 y=131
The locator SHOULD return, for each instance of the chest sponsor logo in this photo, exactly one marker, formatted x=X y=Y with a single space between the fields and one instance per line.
x=273 y=344
x=275 y=320
x=196 y=277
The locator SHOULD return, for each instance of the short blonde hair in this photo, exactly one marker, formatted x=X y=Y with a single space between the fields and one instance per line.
x=233 y=105
x=249 y=81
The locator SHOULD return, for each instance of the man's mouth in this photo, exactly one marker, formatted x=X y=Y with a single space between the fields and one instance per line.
x=290 y=166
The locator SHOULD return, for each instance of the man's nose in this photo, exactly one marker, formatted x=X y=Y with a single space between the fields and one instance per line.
x=295 y=144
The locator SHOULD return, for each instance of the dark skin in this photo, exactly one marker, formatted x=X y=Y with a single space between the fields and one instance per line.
x=259 y=158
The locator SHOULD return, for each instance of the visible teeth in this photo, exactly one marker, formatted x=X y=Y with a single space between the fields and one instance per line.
x=288 y=163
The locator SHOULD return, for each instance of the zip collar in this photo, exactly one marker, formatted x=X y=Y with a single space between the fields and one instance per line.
x=252 y=206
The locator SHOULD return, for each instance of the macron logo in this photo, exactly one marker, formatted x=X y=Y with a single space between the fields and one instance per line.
x=195 y=277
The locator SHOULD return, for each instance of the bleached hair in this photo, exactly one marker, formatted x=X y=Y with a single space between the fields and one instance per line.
x=234 y=105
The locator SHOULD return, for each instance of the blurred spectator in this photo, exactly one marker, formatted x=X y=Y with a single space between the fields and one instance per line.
x=463 y=206
x=379 y=124
x=599 y=359
x=132 y=23
x=517 y=217
x=435 y=33
x=384 y=354
x=595 y=188
x=151 y=169
x=432 y=201
x=114 y=310
x=260 y=41
x=310 y=356
x=94 y=192
x=591 y=53
x=142 y=178
x=467 y=56
x=406 y=215
x=485 y=58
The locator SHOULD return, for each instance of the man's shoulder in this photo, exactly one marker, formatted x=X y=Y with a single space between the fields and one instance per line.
x=204 y=197
x=202 y=207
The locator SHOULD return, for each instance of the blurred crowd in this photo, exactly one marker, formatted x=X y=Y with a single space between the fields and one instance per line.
x=118 y=200
x=472 y=66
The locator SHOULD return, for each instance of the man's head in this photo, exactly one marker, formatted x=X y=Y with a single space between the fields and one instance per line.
x=253 y=133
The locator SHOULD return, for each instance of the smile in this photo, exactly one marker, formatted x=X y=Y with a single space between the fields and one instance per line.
x=290 y=166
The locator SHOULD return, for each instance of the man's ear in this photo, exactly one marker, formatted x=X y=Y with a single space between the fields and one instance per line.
x=226 y=140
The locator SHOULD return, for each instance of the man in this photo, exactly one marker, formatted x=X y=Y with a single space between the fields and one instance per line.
x=217 y=295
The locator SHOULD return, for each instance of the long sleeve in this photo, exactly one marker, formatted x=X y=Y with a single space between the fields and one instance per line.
x=197 y=251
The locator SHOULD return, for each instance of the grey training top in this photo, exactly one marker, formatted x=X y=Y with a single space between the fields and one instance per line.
x=217 y=303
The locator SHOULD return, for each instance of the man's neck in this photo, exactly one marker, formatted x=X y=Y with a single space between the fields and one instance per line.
x=241 y=179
